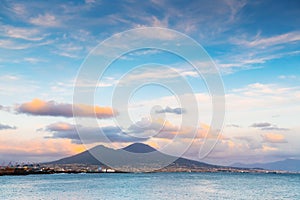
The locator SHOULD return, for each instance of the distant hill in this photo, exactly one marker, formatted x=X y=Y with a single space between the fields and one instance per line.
x=125 y=160
x=286 y=165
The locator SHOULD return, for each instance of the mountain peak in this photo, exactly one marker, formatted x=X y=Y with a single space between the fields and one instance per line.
x=139 y=148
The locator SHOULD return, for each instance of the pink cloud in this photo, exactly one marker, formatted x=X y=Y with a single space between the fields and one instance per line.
x=273 y=138
x=52 y=108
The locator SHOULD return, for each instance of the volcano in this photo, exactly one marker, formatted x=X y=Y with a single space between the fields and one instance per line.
x=135 y=157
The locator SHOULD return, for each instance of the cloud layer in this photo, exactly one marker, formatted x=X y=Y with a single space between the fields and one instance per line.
x=89 y=134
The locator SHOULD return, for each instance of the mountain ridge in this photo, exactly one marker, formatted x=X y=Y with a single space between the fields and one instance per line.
x=139 y=150
x=142 y=157
x=285 y=165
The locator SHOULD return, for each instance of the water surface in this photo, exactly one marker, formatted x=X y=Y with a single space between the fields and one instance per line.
x=151 y=186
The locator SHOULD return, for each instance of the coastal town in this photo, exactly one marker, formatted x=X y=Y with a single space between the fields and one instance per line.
x=27 y=169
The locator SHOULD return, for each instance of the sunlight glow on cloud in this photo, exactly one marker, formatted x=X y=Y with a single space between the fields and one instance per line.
x=273 y=138
x=30 y=150
x=52 y=108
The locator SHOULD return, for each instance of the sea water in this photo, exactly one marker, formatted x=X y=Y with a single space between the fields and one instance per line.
x=151 y=186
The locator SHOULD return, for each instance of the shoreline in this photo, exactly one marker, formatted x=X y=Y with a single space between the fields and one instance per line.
x=154 y=172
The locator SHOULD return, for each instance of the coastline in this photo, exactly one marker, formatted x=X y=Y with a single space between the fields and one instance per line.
x=23 y=171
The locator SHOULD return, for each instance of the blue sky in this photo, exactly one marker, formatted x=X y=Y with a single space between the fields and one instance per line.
x=254 y=44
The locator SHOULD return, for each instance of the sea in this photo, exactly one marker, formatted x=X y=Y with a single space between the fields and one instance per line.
x=151 y=186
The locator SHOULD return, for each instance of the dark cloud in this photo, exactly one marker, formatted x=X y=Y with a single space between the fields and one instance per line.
x=261 y=125
x=177 y=111
x=233 y=125
x=274 y=128
x=5 y=127
x=89 y=134
x=52 y=108
x=265 y=126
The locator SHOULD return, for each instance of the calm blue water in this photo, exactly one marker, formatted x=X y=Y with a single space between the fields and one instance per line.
x=151 y=186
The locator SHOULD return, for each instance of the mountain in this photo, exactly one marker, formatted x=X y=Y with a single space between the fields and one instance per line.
x=139 y=148
x=286 y=165
x=135 y=157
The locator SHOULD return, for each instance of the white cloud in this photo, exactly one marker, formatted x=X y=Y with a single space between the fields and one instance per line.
x=30 y=34
x=250 y=60
x=90 y=1
x=269 y=41
x=33 y=60
x=10 y=44
x=235 y=7
x=47 y=20
x=19 y=9
x=287 y=77
x=259 y=89
x=14 y=45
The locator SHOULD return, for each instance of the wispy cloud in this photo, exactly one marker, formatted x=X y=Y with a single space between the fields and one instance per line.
x=31 y=34
x=287 y=77
x=17 y=45
x=47 y=19
x=251 y=60
x=264 y=42
x=259 y=89
x=33 y=60
x=174 y=73
x=90 y=1
x=19 y=8
x=11 y=84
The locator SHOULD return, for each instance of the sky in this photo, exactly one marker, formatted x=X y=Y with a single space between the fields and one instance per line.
x=253 y=45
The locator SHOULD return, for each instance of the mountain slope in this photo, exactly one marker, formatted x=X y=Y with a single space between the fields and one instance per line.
x=286 y=165
x=81 y=158
x=139 y=148
x=138 y=156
